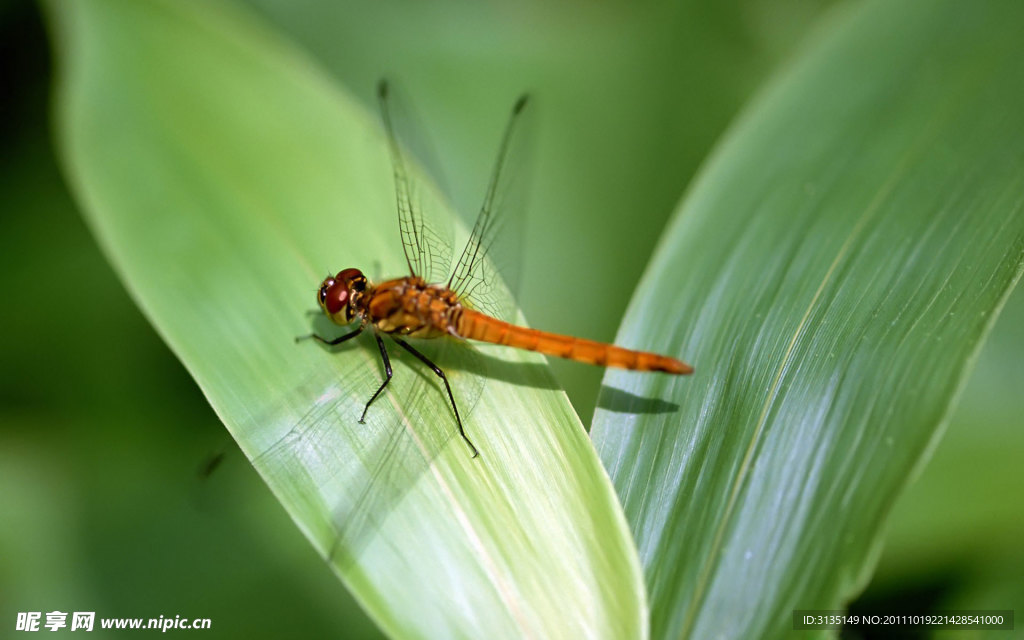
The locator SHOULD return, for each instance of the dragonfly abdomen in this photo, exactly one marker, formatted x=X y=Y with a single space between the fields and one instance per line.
x=477 y=326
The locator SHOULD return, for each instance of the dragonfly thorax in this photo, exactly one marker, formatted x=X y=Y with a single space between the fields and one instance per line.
x=338 y=295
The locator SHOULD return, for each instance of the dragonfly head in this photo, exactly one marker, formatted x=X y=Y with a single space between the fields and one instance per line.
x=336 y=293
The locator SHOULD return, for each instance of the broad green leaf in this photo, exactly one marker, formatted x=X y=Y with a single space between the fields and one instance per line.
x=223 y=175
x=831 y=275
x=958 y=526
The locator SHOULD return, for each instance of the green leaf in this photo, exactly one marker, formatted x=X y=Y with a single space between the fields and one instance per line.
x=831 y=276
x=975 y=556
x=222 y=174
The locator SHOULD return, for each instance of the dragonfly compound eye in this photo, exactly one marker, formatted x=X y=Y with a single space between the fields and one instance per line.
x=353 y=278
x=321 y=294
x=334 y=297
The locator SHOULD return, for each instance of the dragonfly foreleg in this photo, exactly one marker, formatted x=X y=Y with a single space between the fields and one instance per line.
x=387 y=373
x=331 y=343
x=437 y=370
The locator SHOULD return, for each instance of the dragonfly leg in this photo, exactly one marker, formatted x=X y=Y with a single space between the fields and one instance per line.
x=331 y=343
x=387 y=373
x=436 y=369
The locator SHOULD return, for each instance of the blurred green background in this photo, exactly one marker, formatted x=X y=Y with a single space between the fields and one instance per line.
x=104 y=437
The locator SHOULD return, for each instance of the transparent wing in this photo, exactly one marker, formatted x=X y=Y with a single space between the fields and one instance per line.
x=342 y=478
x=426 y=240
x=346 y=477
x=495 y=241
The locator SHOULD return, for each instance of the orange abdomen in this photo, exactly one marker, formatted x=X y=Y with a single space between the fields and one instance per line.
x=477 y=326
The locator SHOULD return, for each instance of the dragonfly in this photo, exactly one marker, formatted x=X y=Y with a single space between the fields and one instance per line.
x=412 y=307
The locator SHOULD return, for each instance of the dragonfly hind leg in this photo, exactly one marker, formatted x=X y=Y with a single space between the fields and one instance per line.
x=437 y=370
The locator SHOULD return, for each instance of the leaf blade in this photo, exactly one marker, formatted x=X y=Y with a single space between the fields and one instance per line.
x=838 y=275
x=213 y=164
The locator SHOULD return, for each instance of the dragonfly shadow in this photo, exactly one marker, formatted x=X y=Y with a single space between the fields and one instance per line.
x=455 y=357
x=468 y=370
x=526 y=374
x=619 y=401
